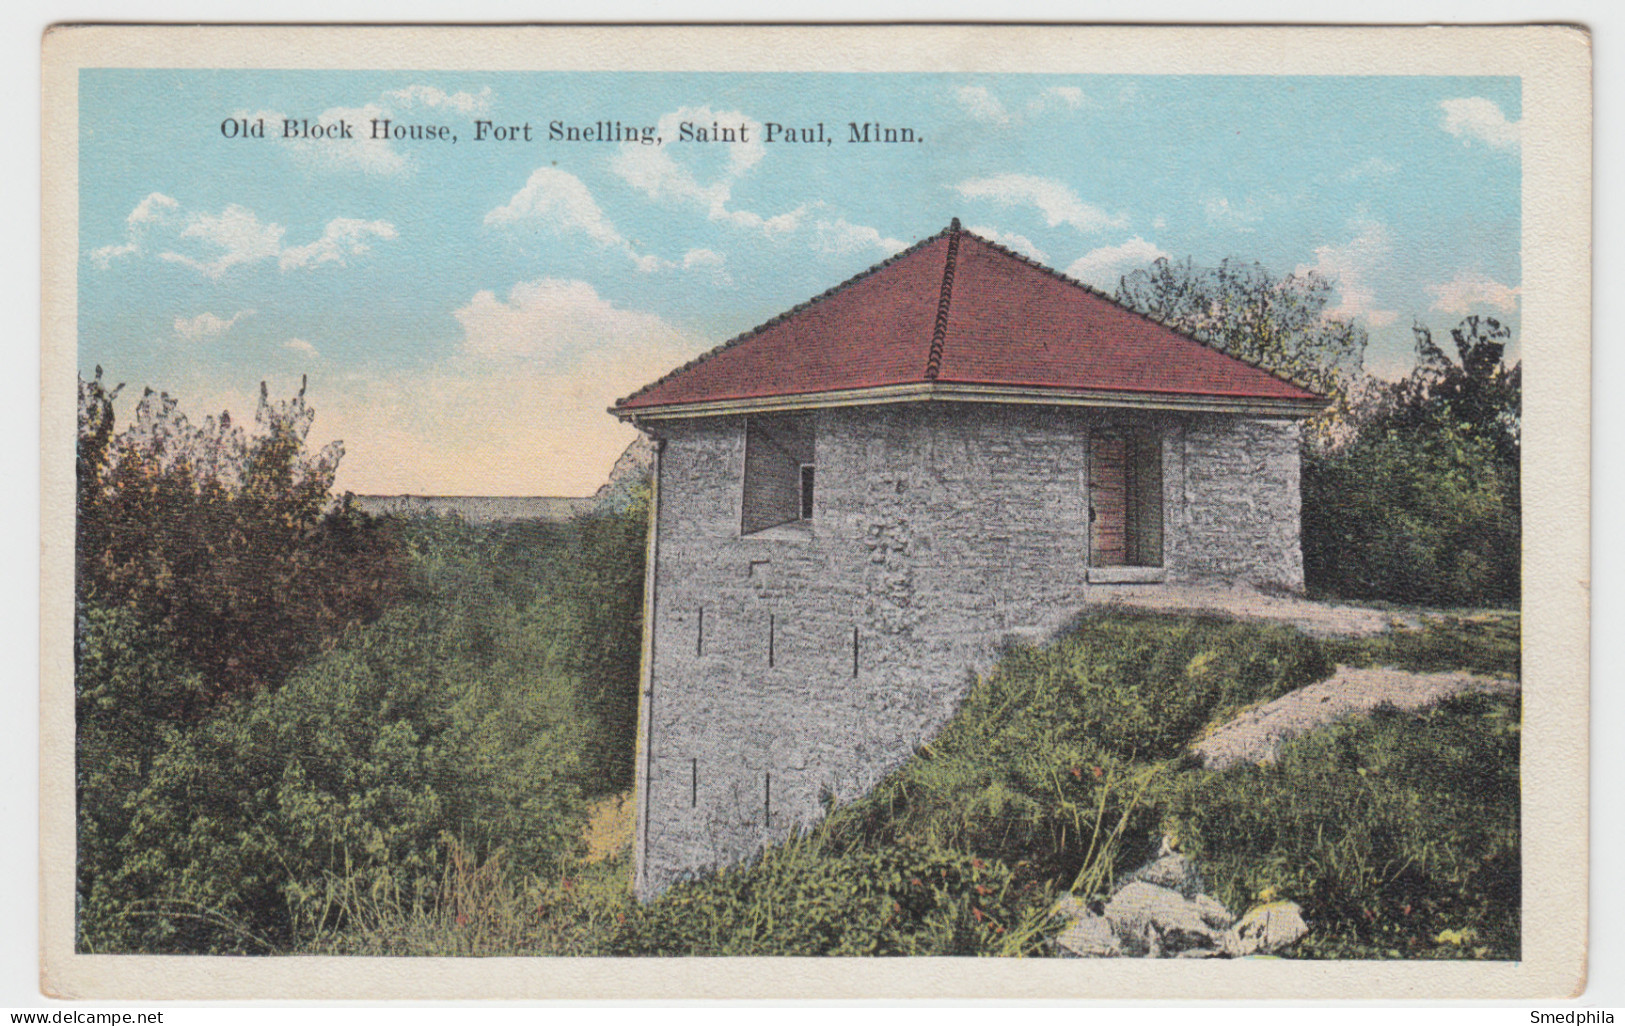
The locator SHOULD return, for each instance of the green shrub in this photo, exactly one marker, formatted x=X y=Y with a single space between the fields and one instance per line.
x=1058 y=755
x=802 y=898
x=1416 y=515
x=228 y=544
x=1488 y=643
x=1398 y=834
x=462 y=720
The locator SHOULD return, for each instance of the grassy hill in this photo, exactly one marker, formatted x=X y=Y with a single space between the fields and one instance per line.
x=450 y=779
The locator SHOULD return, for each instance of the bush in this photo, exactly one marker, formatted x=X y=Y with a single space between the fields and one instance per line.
x=1419 y=517
x=227 y=544
x=1422 y=506
x=801 y=898
x=1057 y=757
x=1398 y=834
x=459 y=723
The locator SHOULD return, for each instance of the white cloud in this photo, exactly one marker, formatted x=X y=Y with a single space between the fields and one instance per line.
x=534 y=372
x=1349 y=267
x=558 y=199
x=560 y=323
x=1475 y=117
x=1010 y=240
x=156 y=207
x=1470 y=291
x=213 y=244
x=105 y=255
x=343 y=237
x=1102 y=267
x=841 y=236
x=299 y=345
x=708 y=260
x=235 y=233
x=206 y=325
x=1371 y=167
x=430 y=96
x=152 y=210
x=561 y=202
x=982 y=105
x=1070 y=96
x=702 y=258
x=361 y=152
x=1055 y=200
x=656 y=171
x=1224 y=214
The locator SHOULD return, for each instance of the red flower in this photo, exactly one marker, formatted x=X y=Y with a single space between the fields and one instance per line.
x=462 y=920
x=1097 y=771
x=1077 y=771
x=978 y=914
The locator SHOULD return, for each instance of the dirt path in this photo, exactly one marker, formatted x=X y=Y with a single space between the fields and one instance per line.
x=1320 y=619
x=1257 y=735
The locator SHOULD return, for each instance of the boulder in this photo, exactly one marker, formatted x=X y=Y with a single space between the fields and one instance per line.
x=1266 y=929
x=1160 y=922
x=1088 y=936
x=1172 y=871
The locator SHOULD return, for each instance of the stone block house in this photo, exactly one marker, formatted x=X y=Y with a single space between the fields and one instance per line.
x=857 y=502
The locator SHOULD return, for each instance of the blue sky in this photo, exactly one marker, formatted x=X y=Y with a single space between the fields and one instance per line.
x=465 y=311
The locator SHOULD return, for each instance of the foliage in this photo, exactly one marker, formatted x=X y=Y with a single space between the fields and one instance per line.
x=1487 y=643
x=1056 y=757
x=227 y=544
x=802 y=898
x=459 y=725
x=1239 y=308
x=1056 y=774
x=1398 y=834
x=1422 y=507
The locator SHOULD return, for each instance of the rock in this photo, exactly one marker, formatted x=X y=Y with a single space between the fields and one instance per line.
x=1171 y=870
x=1213 y=912
x=1266 y=929
x=632 y=468
x=1160 y=922
x=1089 y=936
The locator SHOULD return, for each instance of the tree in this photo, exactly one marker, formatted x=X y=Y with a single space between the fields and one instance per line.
x=1422 y=504
x=1279 y=324
x=229 y=545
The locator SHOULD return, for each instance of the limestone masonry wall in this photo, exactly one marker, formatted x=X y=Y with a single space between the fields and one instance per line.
x=798 y=665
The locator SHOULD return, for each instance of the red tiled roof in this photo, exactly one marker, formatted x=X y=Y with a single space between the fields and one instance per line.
x=958 y=309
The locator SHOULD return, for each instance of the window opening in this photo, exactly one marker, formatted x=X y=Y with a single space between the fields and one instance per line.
x=779 y=469
x=806 y=491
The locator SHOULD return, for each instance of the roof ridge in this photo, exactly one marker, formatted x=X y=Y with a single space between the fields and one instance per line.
x=939 y=331
x=749 y=332
x=1085 y=286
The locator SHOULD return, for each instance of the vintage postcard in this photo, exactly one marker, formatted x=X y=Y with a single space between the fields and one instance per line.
x=1010 y=512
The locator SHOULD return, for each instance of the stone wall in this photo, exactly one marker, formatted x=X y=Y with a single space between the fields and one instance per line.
x=797 y=665
x=1240 y=503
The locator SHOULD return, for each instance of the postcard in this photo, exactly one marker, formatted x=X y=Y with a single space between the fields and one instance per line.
x=815 y=512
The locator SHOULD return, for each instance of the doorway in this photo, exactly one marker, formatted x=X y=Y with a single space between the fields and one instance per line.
x=1125 y=498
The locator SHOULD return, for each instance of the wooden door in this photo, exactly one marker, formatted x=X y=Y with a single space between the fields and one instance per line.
x=1108 y=500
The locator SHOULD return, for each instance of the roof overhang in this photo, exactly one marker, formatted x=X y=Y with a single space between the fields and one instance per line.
x=936 y=391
